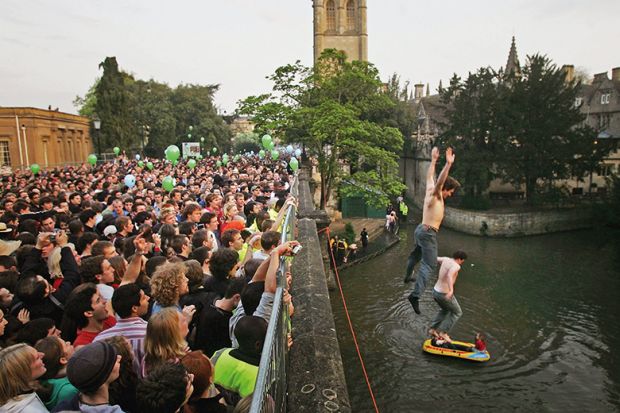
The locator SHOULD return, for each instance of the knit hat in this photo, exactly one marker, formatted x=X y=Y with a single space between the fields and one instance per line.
x=91 y=365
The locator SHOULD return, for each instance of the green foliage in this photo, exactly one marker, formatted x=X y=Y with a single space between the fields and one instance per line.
x=113 y=107
x=476 y=203
x=86 y=105
x=135 y=112
x=349 y=233
x=523 y=129
x=337 y=111
x=246 y=142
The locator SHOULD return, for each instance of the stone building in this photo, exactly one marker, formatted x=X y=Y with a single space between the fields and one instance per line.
x=341 y=25
x=46 y=137
x=598 y=100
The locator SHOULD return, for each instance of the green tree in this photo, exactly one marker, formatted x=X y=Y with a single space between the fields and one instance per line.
x=246 y=142
x=337 y=111
x=86 y=105
x=472 y=127
x=113 y=107
x=545 y=140
x=193 y=106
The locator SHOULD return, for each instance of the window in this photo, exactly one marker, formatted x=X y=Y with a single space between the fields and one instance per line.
x=351 y=15
x=5 y=155
x=605 y=97
x=604 y=169
x=331 y=15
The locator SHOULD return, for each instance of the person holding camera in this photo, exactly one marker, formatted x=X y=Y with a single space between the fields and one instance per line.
x=33 y=290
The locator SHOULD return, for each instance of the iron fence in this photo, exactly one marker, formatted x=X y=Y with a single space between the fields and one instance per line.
x=270 y=390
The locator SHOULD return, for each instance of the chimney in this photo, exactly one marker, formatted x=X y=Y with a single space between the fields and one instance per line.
x=569 y=73
x=599 y=77
x=615 y=74
x=419 y=91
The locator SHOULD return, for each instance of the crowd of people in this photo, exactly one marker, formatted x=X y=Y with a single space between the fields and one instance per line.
x=133 y=298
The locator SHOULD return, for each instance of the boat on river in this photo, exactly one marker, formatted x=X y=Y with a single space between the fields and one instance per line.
x=480 y=356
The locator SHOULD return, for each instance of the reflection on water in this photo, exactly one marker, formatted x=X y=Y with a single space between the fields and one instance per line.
x=548 y=305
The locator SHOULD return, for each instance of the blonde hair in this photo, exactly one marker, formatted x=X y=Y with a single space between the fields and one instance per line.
x=227 y=208
x=165 y=283
x=163 y=342
x=16 y=377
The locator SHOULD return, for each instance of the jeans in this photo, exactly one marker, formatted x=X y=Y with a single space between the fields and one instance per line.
x=449 y=313
x=425 y=250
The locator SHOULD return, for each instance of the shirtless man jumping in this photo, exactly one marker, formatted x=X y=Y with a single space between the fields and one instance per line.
x=443 y=292
x=426 y=233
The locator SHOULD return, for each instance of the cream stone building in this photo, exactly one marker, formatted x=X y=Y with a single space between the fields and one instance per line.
x=341 y=25
x=46 y=137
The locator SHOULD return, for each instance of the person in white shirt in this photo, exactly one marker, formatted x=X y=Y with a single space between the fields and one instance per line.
x=443 y=292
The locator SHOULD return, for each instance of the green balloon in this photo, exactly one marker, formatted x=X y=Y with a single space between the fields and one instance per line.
x=218 y=163
x=191 y=127
x=168 y=183
x=35 y=168
x=294 y=164
x=92 y=159
x=261 y=153
x=141 y=164
x=275 y=155
x=191 y=163
x=199 y=157
x=172 y=153
x=265 y=140
x=189 y=135
x=150 y=165
x=116 y=150
x=214 y=150
x=236 y=158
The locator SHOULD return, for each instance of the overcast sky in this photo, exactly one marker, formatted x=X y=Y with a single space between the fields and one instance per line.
x=50 y=49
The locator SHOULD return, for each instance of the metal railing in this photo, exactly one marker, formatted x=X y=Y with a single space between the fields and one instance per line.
x=270 y=389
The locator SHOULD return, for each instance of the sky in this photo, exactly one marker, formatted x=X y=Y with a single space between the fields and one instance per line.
x=50 y=49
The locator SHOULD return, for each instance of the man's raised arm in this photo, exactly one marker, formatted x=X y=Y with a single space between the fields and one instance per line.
x=443 y=175
x=430 y=174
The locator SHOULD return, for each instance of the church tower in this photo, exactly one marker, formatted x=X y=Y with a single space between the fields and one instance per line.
x=341 y=25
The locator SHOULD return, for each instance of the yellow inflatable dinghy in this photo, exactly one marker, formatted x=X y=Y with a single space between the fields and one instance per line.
x=467 y=355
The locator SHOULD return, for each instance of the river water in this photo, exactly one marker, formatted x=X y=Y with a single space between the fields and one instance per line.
x=549 y=306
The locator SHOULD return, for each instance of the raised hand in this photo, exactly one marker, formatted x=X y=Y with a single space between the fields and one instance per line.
x=450 y=156
x=435 y=154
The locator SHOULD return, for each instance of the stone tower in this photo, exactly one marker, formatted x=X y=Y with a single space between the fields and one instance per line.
x=341 y=25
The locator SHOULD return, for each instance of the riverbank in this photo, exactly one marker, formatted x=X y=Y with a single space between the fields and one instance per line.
x=507 y=224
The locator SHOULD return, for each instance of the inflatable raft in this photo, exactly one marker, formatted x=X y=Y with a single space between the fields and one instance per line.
x=467 y=355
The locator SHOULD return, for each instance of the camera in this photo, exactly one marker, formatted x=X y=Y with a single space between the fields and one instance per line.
x=296 y=249
x=52 y=238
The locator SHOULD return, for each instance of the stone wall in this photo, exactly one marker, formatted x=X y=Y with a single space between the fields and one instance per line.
x=315 y=379
x=517 y=224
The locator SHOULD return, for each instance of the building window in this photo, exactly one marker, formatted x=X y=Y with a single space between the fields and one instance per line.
x=331 y=15
x=605 y=97
x=5 y=155
x=605 y=169
x=351 y=15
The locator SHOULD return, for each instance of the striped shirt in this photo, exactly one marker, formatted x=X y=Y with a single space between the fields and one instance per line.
x=134 y=330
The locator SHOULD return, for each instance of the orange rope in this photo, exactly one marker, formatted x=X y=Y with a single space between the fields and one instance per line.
x=346 y=311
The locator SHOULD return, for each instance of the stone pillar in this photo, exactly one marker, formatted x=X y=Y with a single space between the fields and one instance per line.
x=319 y=27
x=363 y=31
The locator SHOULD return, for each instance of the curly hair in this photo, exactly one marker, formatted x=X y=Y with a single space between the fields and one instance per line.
x=163 y=390
x=165 y=283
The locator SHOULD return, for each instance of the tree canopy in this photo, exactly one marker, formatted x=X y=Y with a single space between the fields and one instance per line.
x=137 y=113
x=338 y=112
x=524 y=129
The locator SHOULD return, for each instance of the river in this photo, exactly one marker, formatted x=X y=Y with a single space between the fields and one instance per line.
x=549 y=306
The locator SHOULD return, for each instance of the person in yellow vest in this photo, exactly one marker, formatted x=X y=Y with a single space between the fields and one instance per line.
x=236 y=368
